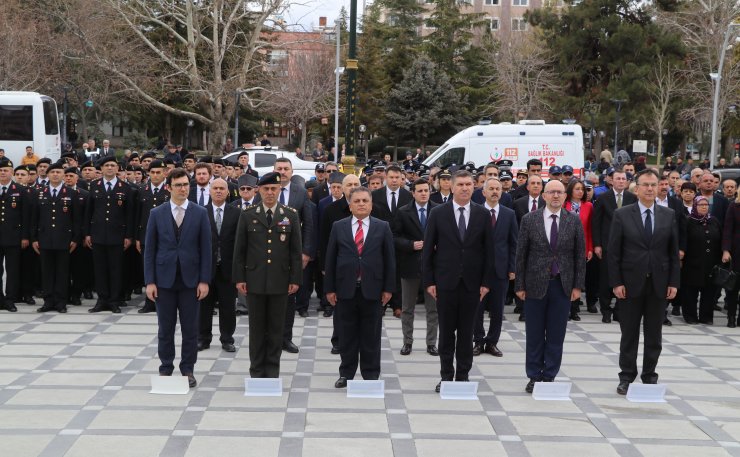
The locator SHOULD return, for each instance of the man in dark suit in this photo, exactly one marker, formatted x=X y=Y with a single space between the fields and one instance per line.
x=177 y=270
x=604 y=208
x=550 y=274
x=360 y=278
x=532 y=201
x=296 y=197
x=644 y=272
x=408 y=233
x=386 y=202
x=110 y=231
x=151 y=195
x=456 y=272
x=200 y=190
x=534 y=168
x=502 y=250
x=267 y=268
x=718 y=204
x=323 y=172
x=223 y=221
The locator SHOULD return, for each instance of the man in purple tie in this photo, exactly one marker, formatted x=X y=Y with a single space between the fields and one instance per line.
x=550 y=273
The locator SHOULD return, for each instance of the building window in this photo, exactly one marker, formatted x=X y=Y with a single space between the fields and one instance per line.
x=520 y=2
x=428 y=2
x=492 y=24
x=518 y=25
x=491 y=2
x=464 y=2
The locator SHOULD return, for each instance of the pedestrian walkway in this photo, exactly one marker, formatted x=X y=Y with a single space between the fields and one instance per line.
x=77 y=385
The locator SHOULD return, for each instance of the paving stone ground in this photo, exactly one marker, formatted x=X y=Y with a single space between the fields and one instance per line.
x=77 y=385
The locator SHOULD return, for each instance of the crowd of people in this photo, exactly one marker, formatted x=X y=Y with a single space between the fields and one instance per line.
x=206 y=237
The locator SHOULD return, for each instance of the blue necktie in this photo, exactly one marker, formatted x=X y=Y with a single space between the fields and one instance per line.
x=422 y=218
x=461 y=223
x=282 y=196
x=202 y=199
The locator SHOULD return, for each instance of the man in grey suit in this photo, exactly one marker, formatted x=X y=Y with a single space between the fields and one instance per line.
x=643 y=273
x=550 y=274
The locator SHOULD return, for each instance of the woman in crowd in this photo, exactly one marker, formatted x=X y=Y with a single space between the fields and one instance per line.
x=703 y=252
x=577 y=202
x=731 y=253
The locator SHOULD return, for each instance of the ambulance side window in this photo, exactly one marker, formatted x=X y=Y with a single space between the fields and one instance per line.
x=452 y=155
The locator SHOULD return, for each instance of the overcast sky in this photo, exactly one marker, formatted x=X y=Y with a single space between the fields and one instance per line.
x=308 y=12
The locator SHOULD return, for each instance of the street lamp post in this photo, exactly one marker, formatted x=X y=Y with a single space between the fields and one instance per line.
x=717 y=77
x=616 y=125
x=351 y=68
x=236 y=119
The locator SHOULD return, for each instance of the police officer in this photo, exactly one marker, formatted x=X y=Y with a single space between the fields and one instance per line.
x=151 y=195
x=109 y=232
x=15 y=218
x=267 y=267
x=56 y=230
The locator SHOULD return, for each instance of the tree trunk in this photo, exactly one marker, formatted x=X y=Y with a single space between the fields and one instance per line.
x=304 y=122
x=218 y=130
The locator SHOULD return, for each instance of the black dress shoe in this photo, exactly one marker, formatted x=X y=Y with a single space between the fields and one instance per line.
x=432 y=350
x=477 y=349
x=96 y=309
x=530 y=386
x=228 y=347
x=288 y=346
x=606 y=319
x=439 y=387
x=667 y=322
x=127 y=297
x=517 y=309
x=690 y=320
x=406 y=349
x=11 y=307
x=328 y=312
x=45 y=309
x=191 y=380
x=706 y=322
x=114 y=308
x=676 y=311
x=574 y=317
x=29 y=300
x=731 y=323
x=62 y=309
x=592 y=309
x=341 y=383
x=202 y=346
x=493 y=350
x=623 y=387
x=146 y=309
x=335 y=349
x=717 y=308
x=75 y=301
x=521 y=318
x=303 y=313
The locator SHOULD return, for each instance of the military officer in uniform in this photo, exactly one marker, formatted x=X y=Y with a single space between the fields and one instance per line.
x=15 y=218
x=247 y=190
x=267 y=267
x=109 y=232
x=150 y=196
x=81 y=258
x=56 y=230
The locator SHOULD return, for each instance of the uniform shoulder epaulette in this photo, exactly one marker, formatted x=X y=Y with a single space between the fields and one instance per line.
x=253 y=205
x=289 y=208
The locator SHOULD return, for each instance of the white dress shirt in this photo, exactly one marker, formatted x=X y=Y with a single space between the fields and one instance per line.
x=112 y=182
x=173 y=208
x=466 y=213
x=365 y=227
x=206 y=194
x=57 y=188
x=215 y=212
x=388 y=196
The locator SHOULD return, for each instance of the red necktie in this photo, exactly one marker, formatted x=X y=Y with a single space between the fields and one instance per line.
x=359 y=237
x=534 y=205
x=493 y=218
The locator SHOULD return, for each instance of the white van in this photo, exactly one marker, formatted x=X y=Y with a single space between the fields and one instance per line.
x=29 y=119
x=553 y=144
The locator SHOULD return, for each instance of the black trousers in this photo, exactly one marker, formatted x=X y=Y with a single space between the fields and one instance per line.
x=55 y=277
x=289 y=318
x=456 y=313
x=358 y=327
x=304 y=292
x=149 y=304
x=221 y=295
x=592 y=281
x=690 y=297
x=647 y=308
x=11 y=255
x=30 y=264
x=494 y=302
x=182 y=301
x=266 y=323
x=108 y=263
x=605 y=292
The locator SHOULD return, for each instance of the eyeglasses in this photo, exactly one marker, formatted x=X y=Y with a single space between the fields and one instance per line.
x=180 y=185
x=554 y=192
x=246 y=188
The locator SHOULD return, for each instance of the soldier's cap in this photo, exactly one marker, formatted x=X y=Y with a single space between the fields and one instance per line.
x=629 y=176
x=189 y=155
x=610 y=171
x=522 y=172
x=319 y=167
x=567 y=169
x=556 y=170
x=270 y=178
x=167 y=161
x=206 y=159
x=368 y=170
x=480 y=169
x=504 y=174
x=87 y=164
x=129 y=168
x=469 y=167
x=444 y=174
x=156 y=163
x=311 y=183
x=218 y=162
x=588 y=185
x=149 y=155
x=122 y=164
x=134 y=155
x=107 y=159
x=380 y=166
x=247 y=180
x=69 y=155
x=55 y=166
x=71 y=171
x=26 y=168
x=45 y=160
x=505 y=163
x=423 y=167
x=6 y=163
x=336 y=178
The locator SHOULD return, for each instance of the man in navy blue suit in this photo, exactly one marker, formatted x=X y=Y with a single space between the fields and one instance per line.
x=502 y=249
x=360 y=278
x=177 y=270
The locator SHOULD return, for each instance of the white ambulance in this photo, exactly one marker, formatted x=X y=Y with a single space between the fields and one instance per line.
x=553 y=144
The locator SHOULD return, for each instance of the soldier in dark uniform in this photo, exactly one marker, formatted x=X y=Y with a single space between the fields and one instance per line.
x=133 y=272
x=153 y=194
x=15 y=226
x=267 y=267
x=56 y=230
x=80 y=259
x=110 y=231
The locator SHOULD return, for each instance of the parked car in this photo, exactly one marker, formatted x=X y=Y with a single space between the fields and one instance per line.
x=262 y=160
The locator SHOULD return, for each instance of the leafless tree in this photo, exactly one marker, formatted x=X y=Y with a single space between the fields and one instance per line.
x=524 y=77
x=662 y=85
x=302 y=87
x=22 y=64
x=185 y=57
x=702 y=25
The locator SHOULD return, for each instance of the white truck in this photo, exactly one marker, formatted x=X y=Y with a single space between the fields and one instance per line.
x=553 y=144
